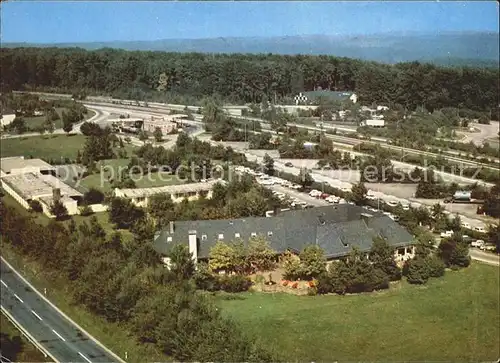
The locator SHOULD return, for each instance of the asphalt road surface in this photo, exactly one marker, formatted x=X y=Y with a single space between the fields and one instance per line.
x=485 y=257
x=60 y=337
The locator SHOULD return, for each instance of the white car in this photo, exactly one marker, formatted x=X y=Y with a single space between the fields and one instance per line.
x=446 y=234
x=392 y=203
x=314 y=193
x=480 y=229
x=371 y=197
x=478 y=243
x=405 y=207
x=345 y=190
x=488 y=248
x=466 y=225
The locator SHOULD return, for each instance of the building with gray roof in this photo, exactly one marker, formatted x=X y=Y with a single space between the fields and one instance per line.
x=336 y=229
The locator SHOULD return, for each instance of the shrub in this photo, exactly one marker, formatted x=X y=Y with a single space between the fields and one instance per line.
x=324 y=285
x=93 y=196
x=312 y=291
x=85 y=210
x=36 y=206
x=234 y=283
x=435 y=266
x=418 y=272
x=259 y=279
x=205 y=279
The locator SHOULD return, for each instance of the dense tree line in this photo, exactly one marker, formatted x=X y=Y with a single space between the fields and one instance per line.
x=245 y=77
x=125 y=283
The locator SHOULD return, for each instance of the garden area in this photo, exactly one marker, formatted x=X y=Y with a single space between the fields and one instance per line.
x=111 y=169
x=454 y=318
x=47 y=147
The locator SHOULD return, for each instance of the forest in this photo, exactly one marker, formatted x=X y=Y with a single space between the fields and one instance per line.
x=244 y=78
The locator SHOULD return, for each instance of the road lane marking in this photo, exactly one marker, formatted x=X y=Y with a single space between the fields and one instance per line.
x=3 y=283
x=56 y=333
x=18 y=298
x=38 y=316
x=84 y=357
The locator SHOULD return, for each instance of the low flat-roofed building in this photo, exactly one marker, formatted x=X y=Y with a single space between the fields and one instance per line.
x=19 y=165
x=191 y=191
x=44 y=188
x=167 y=123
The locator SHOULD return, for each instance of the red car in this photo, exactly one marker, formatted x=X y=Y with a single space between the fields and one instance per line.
x=324 y=196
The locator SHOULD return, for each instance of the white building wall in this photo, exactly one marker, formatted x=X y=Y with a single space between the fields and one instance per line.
x=14 y=195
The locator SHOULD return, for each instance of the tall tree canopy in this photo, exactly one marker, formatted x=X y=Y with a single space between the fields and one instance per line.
x=242 y=78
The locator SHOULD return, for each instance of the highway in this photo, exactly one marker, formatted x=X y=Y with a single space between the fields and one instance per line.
x=164 y=108
x=59 y=337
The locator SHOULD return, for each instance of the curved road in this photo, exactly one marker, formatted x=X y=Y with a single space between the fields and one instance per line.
x=60 y=337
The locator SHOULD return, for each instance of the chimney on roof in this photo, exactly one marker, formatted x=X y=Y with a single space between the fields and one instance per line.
x=321 y=219
x=56 y=194
x=171 y=227
x=193 y=245
x=276 y=210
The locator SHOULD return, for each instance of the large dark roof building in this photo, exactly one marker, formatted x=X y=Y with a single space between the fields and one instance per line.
x=336 y=229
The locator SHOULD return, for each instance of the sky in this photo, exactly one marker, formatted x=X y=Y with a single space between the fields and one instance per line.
x=91 y=21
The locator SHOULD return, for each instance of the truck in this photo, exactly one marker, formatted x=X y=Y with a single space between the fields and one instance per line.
x=373 y=123
x=462 y=197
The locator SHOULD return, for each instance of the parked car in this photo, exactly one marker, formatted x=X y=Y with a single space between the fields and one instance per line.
x=466 y=225
x=488 y=248
x=392 y=203
x=446 y=234
x=480 y=229
x=478 y=243
x=289 y=164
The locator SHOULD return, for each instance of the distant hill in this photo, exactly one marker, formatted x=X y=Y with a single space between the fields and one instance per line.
x=469 y=48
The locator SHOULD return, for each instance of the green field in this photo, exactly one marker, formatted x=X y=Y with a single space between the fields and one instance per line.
x=112 y=167
x=23 y=349
x=494 y=142
x=455 y=318
x=35 y=122
x=44 y=147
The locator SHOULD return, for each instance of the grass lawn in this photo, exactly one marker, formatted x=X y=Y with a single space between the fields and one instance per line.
x=455 y=318
x=27 y=352
x=45 y=147
x=114 y=336
x=494 y=142
x=156 y=179
x=36 y=121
